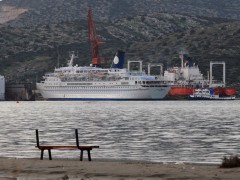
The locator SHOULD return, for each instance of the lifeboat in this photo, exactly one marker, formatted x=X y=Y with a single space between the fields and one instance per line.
x=180 y=90
x=224 y=91
x=185 y=90
x=218 y=90
x=229 y=91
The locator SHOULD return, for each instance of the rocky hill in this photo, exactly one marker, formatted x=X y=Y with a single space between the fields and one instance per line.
x=42 y=33
x=9 y=13
x=55 y=11
x=27 y=53
x=216 y=43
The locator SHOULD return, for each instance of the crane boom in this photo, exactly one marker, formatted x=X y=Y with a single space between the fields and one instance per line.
x=94 y=39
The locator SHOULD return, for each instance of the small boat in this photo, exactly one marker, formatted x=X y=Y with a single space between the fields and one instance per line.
x=208 y=94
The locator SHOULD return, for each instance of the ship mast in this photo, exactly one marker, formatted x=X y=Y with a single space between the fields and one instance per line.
x=181 y=57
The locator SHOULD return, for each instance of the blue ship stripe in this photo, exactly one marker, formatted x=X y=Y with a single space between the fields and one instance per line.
x=99 y=99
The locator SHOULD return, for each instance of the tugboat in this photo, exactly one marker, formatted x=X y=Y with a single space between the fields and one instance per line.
x=208 y=94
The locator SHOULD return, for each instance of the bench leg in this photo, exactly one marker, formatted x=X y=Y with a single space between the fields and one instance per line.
x=89 y=155
x=49 y=153
x=42 y=151
x=81 y=155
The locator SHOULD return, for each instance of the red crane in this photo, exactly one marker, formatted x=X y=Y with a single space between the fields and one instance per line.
x=94 y=39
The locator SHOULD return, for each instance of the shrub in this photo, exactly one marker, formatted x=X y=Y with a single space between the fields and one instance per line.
x=230 y=162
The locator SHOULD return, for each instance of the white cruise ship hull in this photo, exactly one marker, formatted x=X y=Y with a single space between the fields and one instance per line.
x=103 y=93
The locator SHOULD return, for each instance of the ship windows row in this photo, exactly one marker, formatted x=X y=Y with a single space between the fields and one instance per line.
x=87 y=87
x=148 y=82
x=78 y=84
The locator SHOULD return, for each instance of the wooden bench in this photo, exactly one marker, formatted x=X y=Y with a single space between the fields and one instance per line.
x=50 y=147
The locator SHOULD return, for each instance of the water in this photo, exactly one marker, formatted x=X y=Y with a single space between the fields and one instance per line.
x=159 y=131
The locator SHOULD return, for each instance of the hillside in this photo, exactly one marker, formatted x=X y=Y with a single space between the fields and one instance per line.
x=8 y=13
x=18 y=44
x=27 y=53
x=217 y=43
x=36 y=36
x=55 y=11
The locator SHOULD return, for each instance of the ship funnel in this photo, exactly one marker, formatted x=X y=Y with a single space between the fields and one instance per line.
x=118 y=60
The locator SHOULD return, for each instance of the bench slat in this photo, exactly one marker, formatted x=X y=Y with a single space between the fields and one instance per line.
x=56 y=147
x=67 y=147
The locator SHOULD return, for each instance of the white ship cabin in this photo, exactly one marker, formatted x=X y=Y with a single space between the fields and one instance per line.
x=93 y=70
x=202 y=91
x=185 y=73
x=188 y=73
x=97 y=76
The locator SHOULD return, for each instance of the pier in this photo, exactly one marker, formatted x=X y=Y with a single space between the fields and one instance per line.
x=20 y=92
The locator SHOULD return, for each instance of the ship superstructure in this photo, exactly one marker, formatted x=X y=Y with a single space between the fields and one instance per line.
x=187 y=74
x=95 y=83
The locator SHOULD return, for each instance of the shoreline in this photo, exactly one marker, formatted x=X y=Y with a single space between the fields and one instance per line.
x=33 y=168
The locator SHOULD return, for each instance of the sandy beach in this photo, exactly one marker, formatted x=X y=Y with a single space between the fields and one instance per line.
x=13 y=168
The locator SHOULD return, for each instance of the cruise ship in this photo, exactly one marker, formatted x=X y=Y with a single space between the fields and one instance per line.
x=2 y=88
x=75 y=82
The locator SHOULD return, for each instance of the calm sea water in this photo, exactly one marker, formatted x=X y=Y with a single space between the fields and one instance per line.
x=159 y=131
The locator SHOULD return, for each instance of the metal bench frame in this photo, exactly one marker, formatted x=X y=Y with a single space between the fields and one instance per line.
x=50 y=147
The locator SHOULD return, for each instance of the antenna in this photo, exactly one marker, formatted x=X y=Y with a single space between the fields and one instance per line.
x=58 y=57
